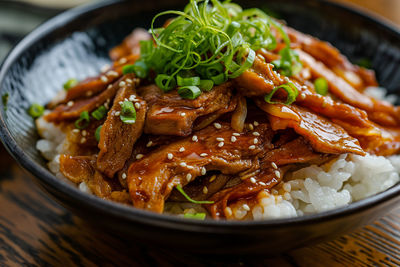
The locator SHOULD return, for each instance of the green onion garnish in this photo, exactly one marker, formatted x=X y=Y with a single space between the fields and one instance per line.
x=179 y=188
x=206 y=85
x=83 y=120
x=215 y=41
x=35 y=110
x=99 y=113
x=139 y=68
x=165 y=82
x=291 y=91
x=70 y=83
x=189 y=92
x=4 y=99
x=191 y=81
x=289 y=63
x=195 y=216
x=97 y=133
x=128 y=112
x=321 y=86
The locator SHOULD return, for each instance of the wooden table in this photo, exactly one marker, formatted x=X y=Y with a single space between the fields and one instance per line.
x=34 y=230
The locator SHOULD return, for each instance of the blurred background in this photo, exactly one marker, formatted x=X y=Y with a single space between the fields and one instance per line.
x=19 y=17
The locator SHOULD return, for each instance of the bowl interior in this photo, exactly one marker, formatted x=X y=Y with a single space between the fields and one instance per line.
x=76 y=45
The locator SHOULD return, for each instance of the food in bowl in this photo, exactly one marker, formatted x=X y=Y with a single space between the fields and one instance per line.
x=226 y=113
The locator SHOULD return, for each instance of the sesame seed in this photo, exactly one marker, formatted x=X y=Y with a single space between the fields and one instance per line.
x=117 y=113
x=228 y=211
x=278 y=174
x=70 y=103
x=149 y=144
x=205 y=190
x=252 y=147
x=190 y=167
x=132 y=97
x=256 y=133
x=109 y=86
x=251 y=127
x=137 y=105
x=105 y=68
x=253 y=180
x=183 y=114
x=112 y=73
x=121 y=102
x=213 y=178
x=256 y=123
x=183 y=164
x=129 y=80
x=217 y=125
x=104 y=79
x=233 y=139
x=194 y=138
x=188 y=177
x=203 y=171
x=123 y=60
x=236 y=134
x=123 y=176
x=286 y=79
x=221 y=144
x=255 y=141
x=139 y=156
x=122 y=84
x=181 y=149
x=75 y=130
x=262 y=183
x=113 y=113
x=220 y=139
x=203 y=155
x=135 y=100
x=302 y=96
x=84 y=133
x=246 y=207
x=125 y=99
x=83 y=140
x=287 y=187
x=273 y=164
x=170 y=156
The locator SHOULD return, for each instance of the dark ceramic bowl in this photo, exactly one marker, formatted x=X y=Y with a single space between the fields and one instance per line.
x=75 y=44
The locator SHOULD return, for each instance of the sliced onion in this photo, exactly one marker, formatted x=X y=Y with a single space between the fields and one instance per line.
x=239 y=115
x=205 y=121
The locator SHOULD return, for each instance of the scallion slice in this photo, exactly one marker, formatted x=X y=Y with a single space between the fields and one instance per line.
x=219 y=79
x=139 y=68
x=165 y=82
x=99 y=113
x=35 y=110
x=70 y=83
x=97 y=133
x=128 y=112
x=180 y=189
x=83 y=120
x=195 y=216
x=321 y=86
x=291 y=91
x=189 y=92
x=190 y=81
x=206 y=85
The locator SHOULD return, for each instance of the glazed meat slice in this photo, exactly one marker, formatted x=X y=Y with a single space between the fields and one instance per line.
x=151 y=179
x=169 y=114
x=324 y=135
x=294 y=151
x=130 y=45
x=68 y=112
x=118 y=138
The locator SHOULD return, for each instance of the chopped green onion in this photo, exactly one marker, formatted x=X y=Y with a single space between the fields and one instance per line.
x=70 y=83
x=97 y=133
x=219 y=79
x=165 y=82
x=99 y=113
x=206 y=85
x=180 y=189
x=289 y=63
x=321 y=86
x=189 y=92
x=139 y=68
x=83 y=120
x=35 y=110
x=291 y=91
x=195 y=216
x=246 y=65
x=4 y=98
x=191 y=81
x=128 y=112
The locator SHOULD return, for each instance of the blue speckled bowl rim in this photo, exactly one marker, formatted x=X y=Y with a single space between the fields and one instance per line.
x=141 y=216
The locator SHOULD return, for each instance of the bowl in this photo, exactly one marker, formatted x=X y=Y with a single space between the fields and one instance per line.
x=76 y=43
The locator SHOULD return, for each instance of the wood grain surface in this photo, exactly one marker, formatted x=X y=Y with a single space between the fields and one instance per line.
x=36 y=231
